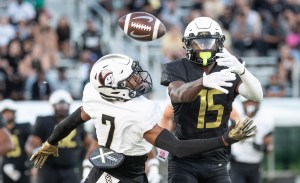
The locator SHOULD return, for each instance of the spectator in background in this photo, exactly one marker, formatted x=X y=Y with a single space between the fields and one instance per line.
x=6 y=143
x=19 y=10
x=273 y=34
x=91 y=40
x=46 y=39
x=16 y=82
x=247 y=156
x=171 y=44
x=15 y=167
x=40 y=90
x=170 y=14
x=245 y=28
x=62 y=82
x=286 y=66
x=64 y=168
x=7 y=33
x=274 y=88
x=63 y=31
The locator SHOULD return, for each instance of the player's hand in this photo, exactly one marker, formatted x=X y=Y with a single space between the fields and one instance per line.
x=240 y=131
x=230 y=61
x=42 y=154
x=218 y=80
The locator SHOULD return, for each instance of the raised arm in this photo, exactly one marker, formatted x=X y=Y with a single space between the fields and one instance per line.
x=250 y=87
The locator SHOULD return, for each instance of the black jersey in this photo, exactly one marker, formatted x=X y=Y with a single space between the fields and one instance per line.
x=18 y=156
x=70 y=148
x=207 y=116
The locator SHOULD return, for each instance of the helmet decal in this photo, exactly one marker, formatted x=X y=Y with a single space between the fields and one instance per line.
x=106 y=78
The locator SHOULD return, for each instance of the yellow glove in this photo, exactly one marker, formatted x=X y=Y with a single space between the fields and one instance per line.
x=42 y=154
x=240 y=131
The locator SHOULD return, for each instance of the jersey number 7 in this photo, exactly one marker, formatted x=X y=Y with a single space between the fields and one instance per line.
x=111 y=130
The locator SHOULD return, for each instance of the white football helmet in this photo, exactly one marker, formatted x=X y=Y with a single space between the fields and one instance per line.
x=60 y=96
x=118 y=77
x=203 y=38
x=8 y=104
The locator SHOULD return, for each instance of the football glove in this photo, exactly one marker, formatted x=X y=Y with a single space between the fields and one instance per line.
x=240 y=131
x=218 y=80
x=42 y=154
x=230 y=61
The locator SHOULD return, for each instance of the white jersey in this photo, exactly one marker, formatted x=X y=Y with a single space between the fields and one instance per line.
x=121 y=125
x=244 y=151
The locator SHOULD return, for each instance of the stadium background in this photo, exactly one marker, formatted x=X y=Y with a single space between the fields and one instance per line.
x=283 y=165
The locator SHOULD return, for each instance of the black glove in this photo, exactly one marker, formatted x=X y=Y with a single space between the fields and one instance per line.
x=239 y=131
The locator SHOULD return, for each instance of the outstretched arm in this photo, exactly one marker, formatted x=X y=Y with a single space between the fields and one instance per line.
x=164 y=139
x=50 y=147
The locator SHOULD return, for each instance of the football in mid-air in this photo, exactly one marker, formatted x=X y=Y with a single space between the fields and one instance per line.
x=142 y=26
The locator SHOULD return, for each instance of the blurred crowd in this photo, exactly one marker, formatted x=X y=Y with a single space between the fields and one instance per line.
x=256 y=28
x=30 y=48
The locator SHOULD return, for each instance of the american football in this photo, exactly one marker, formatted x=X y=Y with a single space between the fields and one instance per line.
x=142 y=26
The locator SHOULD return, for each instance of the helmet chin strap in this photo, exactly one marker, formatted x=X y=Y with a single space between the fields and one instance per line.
x=205 y=55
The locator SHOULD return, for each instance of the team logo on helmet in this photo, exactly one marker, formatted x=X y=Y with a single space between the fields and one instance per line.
x=106 y=78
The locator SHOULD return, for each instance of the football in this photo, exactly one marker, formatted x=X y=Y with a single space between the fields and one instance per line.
x=142 y=26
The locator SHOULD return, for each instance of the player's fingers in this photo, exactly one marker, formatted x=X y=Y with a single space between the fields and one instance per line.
x=247 y=124
x=221 y=89
x=250 y=130
x=226 y=84
x=223 y=54
x=38 y=161
x=227 y=75
x=33 y=157
x=43 y=161
x=223 y=60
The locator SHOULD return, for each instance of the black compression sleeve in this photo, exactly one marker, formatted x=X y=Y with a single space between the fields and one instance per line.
x=65 y=127
x=182 y=148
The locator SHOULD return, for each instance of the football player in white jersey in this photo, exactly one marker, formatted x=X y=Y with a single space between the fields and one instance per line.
x=126 y=124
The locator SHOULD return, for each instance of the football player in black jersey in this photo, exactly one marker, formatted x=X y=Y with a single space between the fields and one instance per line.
x=64 y=169
x=202 y=88
x=15 y=167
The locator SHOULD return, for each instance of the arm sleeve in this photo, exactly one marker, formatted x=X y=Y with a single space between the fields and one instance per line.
x=251 y=87
x=65 y=127
x=183 y=148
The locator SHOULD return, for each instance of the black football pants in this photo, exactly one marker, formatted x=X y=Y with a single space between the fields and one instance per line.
x=183 y=170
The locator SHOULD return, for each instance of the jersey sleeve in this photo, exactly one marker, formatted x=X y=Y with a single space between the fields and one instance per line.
x=173 y=71
x=151 y=118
